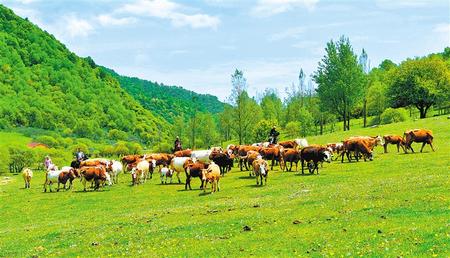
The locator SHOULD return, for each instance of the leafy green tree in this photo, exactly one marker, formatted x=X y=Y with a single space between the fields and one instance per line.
x=340 y=79
x=293 y=129
x=246 y=111
x=261 y=130
x=421 y=83
x=272 y=106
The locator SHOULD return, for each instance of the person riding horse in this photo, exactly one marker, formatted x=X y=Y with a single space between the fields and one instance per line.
x=177 y=145
x=273 y=135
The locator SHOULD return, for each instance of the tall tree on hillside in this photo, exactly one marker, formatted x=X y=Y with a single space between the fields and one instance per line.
x=246 y=110
x=340 y=79
x=421 y=83
x=272 y=106
x=226 y=122
x=301 y=81
x=365 y=66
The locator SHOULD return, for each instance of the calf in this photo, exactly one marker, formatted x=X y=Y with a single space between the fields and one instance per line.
x=314 y=155
x=211 y=175
x=116 y=169
x=194 y=170
x=27 y=174
x=393 y=139
x=67 y=175
x=166 y=172
x=336 y=148
x=418 y=135
x=51 y=177
x=261 y=169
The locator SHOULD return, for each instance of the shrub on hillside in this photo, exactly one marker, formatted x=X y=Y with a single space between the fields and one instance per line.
x=391 y=115
x=48 y=140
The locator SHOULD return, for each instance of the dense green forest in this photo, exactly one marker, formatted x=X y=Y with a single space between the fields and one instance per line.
x=44 y=85
x=169 y=102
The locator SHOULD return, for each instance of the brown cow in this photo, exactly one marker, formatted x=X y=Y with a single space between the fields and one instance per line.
x=260 y=169
x=194 y=170
x=242 y=154
x=67 y=176
x=288 y=144
x=336 y=148
x=292 y=156
x=128 y=159
x=183 y=153
x=157 y=160
x=313 y=155
x=274 y=154
x=418 y=135
x=356 y=146
x=96 y=174
x=223 y=160
x=393 y=139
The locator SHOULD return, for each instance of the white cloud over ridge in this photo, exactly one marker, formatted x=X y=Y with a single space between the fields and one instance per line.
x=165 y=9
x=109 y=20
x=267 y=8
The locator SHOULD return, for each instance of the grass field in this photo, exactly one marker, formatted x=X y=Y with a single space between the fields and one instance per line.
x=396 y=205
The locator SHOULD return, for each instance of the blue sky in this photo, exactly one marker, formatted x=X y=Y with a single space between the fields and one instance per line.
x=197 y=44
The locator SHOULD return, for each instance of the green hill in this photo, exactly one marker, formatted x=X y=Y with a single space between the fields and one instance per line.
x=44 y=85
x=168 y=101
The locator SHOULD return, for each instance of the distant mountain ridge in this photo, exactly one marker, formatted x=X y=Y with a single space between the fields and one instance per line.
x=44 y=85
x=168 y=101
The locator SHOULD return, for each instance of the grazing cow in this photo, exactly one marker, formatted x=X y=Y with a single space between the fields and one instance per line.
x=370 y=141
x=183 y=153
x=160 y=158
x=315 y=155
x=129 y=160
x=194 y=170
x=261 y=169
x=273 y=153
x=292 y=156
x=211 y=175
x=301 y=143
x=393 y=139
x=178 y=165
x=166 y=172
x=93 y=174
x=223 y=160
x=356 y=146
x=27 y=174
x=201 y=155
x=418 y=135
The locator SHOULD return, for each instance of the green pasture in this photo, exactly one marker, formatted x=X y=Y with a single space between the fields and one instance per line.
x=396 y=205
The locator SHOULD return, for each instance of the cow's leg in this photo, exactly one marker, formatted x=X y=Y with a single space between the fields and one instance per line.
x=178 y=176
x=385 y=147
x=431 y=145
x=303 y=163
x=290 y=168
x=342 y=155
x=410 y=147
x=423 y=145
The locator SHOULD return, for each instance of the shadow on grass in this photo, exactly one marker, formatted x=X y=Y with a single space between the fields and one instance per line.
x=246 y=177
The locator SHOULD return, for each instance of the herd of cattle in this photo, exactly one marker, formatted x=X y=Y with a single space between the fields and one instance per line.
x=210 y=165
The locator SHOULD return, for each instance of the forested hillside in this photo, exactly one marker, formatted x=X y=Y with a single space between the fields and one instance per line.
x=44 y=85
x=168 y=101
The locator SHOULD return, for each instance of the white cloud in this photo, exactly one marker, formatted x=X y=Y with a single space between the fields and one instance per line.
x=26 y=1
x=389 y=4
x=76 y=27
x=109 y=20
x=306 y=44
x=172 y=11
x=288 y=33
x=266 y=8
x=442 y=28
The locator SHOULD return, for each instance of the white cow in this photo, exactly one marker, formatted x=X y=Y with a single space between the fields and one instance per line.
x=51 y=178
x=166 y=173
x=142 y=169
x=201 y=155
x=179 y=163
x=301 y=143
x=116 y=169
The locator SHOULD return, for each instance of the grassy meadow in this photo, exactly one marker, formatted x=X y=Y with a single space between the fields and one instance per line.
x=396 y=205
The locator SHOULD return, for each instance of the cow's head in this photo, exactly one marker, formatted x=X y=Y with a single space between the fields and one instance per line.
x=153 y=163
x=263 y=168
x=326 y=156
x=370 y=155
x=204 y=172
x=379 y=140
